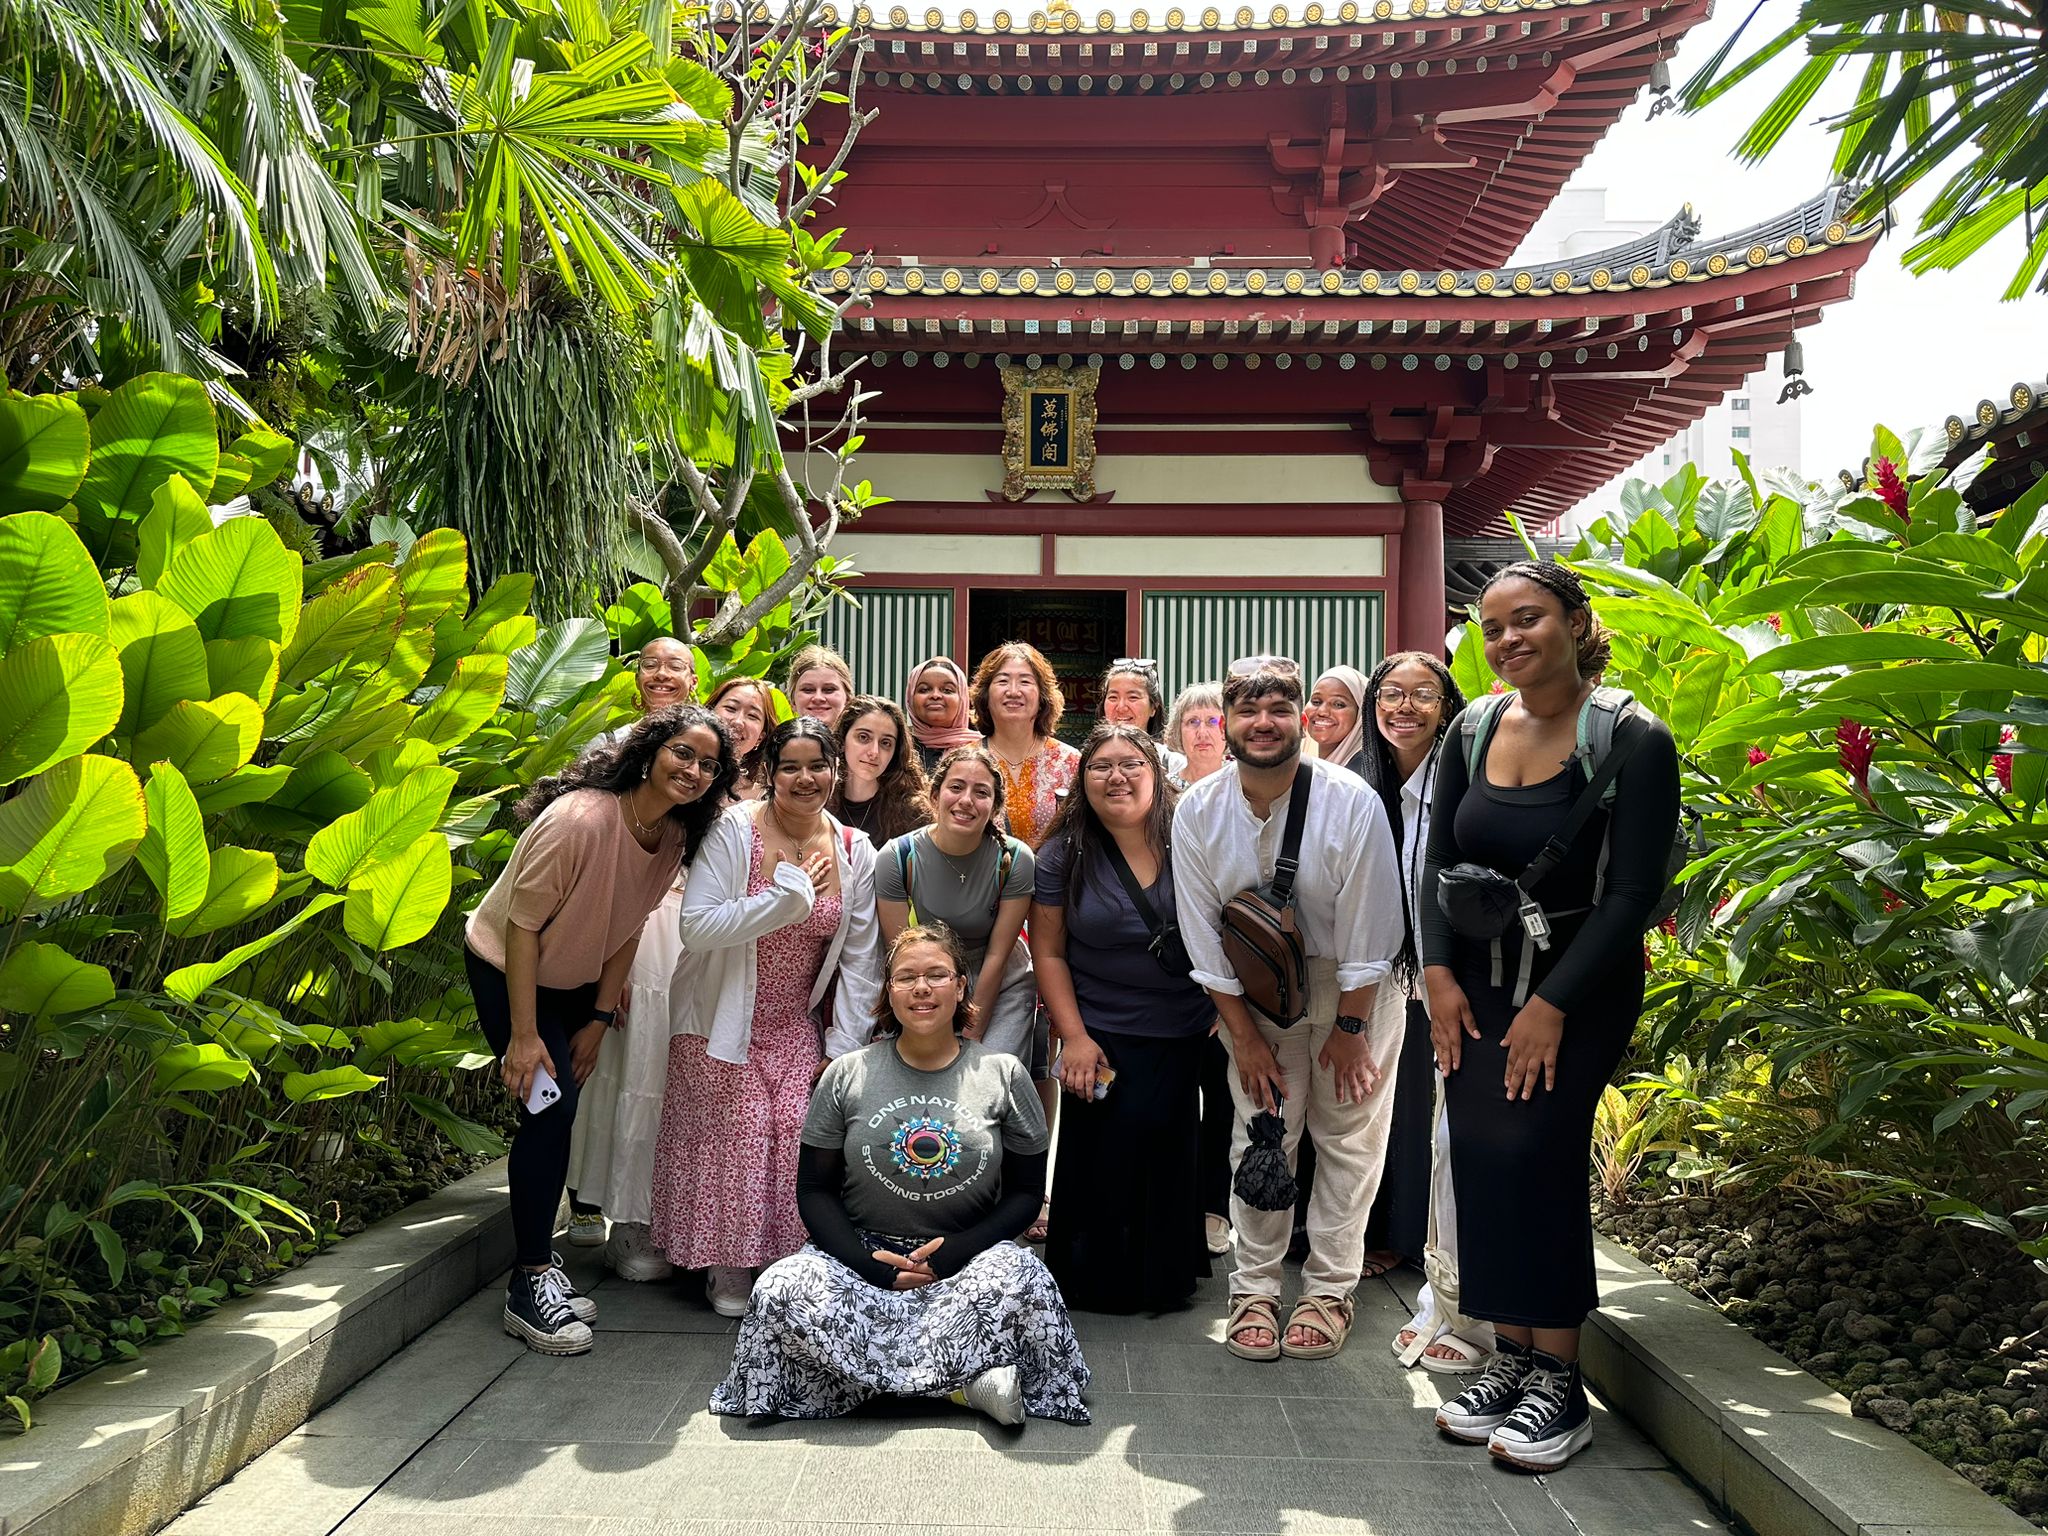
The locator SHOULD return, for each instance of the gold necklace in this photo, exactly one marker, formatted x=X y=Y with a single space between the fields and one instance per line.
x=801 y=844
x=640 y=828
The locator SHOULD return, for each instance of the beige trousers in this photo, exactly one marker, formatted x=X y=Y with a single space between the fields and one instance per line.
x=1350 y=1141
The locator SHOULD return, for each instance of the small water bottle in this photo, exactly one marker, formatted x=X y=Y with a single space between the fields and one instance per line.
x=1104 y=1076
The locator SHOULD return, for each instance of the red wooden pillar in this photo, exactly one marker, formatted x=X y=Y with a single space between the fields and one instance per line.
x=1422 y=578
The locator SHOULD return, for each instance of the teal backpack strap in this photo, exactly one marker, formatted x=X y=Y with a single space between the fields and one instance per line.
x=903 y=869
x=1604 y=709
x=1476 y=725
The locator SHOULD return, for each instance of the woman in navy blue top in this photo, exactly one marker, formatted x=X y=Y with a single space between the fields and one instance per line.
x=1130 y=1033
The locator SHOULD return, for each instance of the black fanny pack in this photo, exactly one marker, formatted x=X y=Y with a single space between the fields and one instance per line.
x=1165 y=945
x=1483 y=903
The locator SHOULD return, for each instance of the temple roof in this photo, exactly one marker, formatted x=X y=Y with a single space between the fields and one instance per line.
x=2012 y=438
x=1424 y=133
x=1520 y=387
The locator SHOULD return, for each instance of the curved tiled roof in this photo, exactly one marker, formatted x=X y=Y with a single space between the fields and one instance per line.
x=1676 y=253
x=1179 y=19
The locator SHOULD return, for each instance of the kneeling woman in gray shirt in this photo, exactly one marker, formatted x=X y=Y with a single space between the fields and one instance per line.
x=923 y=1157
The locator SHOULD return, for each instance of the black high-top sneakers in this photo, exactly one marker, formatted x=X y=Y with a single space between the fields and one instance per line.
x=538 y=1312
x=1477 y=1411
x=1551 y=1424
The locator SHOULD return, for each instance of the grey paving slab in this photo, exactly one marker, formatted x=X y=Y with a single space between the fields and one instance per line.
x=305 y=1485
x=465 y=1434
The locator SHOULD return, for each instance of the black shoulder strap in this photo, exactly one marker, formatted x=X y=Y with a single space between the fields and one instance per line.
x=1131 y=887
x=1628 y=734
x=1289 y=863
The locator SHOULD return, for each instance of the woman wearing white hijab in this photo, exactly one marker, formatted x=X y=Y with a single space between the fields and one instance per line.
x=1335 y=717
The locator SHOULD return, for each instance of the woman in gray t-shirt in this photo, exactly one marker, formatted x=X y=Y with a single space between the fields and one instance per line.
x=923 y=1157
x=963 y=871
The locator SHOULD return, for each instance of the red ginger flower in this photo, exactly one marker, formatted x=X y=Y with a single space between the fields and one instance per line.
x=1758 y=757
x=1891 y=490
x=2001 y=762
x=1775 y=622
x=1857 y=745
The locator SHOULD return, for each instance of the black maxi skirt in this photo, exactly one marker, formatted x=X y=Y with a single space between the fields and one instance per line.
x=1520 y=1168
x=1126 y=1227
x=1400 y=1213
x=1219 y=1115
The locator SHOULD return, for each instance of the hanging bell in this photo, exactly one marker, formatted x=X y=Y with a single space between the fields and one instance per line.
x=1660 y=87
x=1795 y=373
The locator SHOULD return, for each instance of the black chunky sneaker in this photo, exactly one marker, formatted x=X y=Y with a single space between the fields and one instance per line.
x=1477 y=1411
x=1551 y=1424
x=584 y=1308
x=538 y=1313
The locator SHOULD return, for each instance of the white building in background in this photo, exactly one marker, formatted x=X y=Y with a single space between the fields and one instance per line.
x=1750 y=421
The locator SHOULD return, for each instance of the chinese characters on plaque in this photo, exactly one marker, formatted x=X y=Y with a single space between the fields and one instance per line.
x=1049 y=432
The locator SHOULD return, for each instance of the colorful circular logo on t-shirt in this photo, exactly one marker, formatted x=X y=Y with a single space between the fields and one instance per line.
x=925 y=1148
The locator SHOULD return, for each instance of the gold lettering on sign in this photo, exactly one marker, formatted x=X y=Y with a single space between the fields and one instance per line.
x=1049 y=431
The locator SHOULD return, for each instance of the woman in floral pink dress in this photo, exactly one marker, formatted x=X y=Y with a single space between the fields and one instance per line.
x=779 y=904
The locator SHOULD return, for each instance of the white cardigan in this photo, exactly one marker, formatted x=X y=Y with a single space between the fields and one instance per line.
x=712 y=992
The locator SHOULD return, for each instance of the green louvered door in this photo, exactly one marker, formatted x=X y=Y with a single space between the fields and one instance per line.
x=1196 y=635
x=892 y=631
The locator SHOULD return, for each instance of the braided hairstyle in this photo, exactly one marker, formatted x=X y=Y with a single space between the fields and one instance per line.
x=1563 y=583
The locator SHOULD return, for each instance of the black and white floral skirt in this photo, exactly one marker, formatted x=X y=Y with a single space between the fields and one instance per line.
x=818 y=1340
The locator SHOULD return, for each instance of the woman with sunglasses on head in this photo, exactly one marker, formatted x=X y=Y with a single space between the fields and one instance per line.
x=550 y=946
x=1130 y=696
x=1414 y=700
x=1131 y=1027
x=747 y=706
x=618 y=1116
x=881 y=791
x=923 y=1156
x=965 y=872
x=936 y=700
x=820 y=683
x=1017 y=706
x=1529 y=1035
x=1194 y=729
x=1335 y=717
x=781 y=903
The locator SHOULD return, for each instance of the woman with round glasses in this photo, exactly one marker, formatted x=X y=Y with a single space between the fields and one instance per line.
x=1334 y=717
x=1414 y=700
x=1130 y=696
x=923 y=1156
x=1131 y=1026
x=1194 y=729
x=618 y=1118
x=548 y=949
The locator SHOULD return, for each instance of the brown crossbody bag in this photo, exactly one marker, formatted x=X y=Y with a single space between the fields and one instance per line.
x=1259 y=935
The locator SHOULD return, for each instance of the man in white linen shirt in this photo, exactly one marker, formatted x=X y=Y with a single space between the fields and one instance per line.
x=1327 y=1070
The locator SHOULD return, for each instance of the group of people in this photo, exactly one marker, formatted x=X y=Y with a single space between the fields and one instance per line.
x=852 y=1009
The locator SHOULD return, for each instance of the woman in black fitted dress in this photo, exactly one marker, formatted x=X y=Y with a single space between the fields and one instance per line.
x=1524 y=1077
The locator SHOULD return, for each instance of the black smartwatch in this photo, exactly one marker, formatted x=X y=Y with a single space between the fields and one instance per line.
x=1351 y=1023
x=604 y=1016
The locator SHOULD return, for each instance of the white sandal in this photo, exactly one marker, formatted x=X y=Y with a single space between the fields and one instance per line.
x=1470 y=1357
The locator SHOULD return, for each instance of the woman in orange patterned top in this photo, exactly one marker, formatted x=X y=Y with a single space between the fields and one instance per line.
x=1017 y=706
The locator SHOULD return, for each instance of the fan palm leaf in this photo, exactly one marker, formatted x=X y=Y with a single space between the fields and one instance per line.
x=1936 y=81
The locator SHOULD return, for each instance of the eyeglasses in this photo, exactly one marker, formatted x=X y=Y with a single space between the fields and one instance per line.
x=1422 y=698
x=1129 y=767
x=691 y=762
x=1245 y=666
x=1211 y=721
x=907 y=981
x=681 y=668
x=1145 y=664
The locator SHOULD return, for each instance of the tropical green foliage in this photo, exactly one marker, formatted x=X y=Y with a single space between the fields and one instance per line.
x=240 y=796
x=1953 y=89
x=1857 y=967
x=534 y=272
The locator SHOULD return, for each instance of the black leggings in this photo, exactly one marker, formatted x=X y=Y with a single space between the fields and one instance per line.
x=539 y=1164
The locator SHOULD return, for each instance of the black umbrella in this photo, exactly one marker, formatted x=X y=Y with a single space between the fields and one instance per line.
x=1264 y=1181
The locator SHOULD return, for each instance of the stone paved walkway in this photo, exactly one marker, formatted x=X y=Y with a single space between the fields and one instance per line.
x=467 y=1434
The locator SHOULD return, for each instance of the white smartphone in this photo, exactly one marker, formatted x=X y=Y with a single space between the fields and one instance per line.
x=543 y=1092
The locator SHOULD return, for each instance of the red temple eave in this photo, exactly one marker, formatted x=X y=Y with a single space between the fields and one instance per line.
x=1482 y=390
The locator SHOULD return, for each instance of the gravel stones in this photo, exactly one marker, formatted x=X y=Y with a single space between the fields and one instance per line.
x=1934 y=1331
